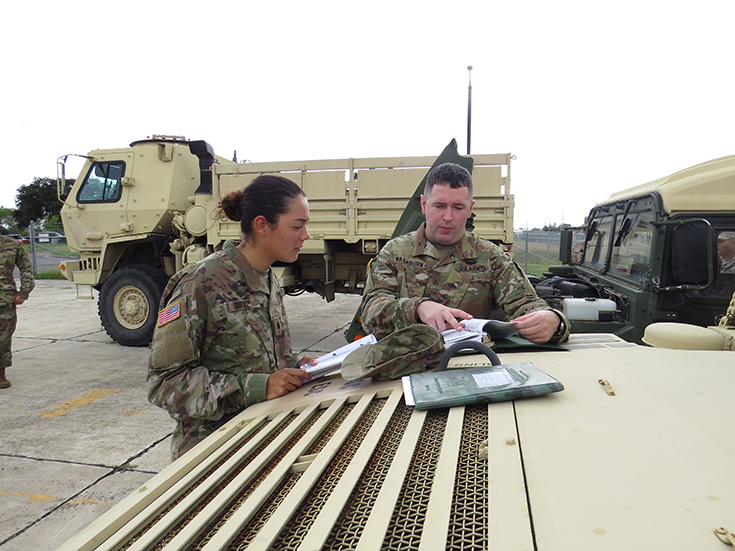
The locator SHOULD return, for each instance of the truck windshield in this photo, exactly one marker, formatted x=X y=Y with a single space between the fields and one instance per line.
x=599 y=243
x=631 y=254
x=103 y=183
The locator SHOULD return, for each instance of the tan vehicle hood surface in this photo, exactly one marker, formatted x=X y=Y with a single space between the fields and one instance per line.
x=349 y=466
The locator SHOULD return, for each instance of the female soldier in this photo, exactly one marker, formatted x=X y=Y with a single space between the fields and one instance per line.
x=222 y=341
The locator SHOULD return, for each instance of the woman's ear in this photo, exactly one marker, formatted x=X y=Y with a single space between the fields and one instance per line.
x=260 y=225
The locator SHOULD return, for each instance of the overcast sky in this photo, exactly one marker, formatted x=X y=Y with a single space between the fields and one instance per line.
x=590 y=97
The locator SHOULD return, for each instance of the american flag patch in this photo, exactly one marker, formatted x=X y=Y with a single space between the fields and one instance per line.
x=169 y=314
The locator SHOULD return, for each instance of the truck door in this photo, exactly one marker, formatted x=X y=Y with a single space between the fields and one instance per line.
x=105 y=192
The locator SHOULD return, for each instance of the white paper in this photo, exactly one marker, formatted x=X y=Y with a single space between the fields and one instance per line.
x=451 y=336
x=333 y=361
x=495 y=378
x=408 y=391
x=475 y=328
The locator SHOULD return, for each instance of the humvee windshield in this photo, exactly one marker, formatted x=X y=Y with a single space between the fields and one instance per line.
x=623 y=240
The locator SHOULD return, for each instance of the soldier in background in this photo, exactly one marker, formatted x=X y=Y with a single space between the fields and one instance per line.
x=726 y=251
x=441 y=274
x=11 y=255
x=222 y=340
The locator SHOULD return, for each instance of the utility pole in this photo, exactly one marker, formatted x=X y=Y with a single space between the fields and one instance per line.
x=469 y=110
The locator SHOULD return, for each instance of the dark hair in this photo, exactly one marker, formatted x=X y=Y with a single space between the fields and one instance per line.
x=451 y=174
x=268 y=195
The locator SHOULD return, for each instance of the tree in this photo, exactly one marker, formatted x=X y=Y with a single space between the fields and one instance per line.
x=37 y=201
x=7 y=221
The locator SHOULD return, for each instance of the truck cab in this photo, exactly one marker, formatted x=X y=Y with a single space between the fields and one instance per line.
x=652 y=253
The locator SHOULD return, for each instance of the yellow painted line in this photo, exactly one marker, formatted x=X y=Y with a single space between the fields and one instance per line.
x=31 y=497
x=45 y=497
x=82 y=400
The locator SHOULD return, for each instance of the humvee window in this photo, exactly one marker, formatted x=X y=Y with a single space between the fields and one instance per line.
x=631 y=255
x=103 y=183
x=599 y=243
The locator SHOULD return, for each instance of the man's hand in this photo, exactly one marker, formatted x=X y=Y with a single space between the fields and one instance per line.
x=19 y=300
x=284 y=381
x=439 y=316
x=538 y=326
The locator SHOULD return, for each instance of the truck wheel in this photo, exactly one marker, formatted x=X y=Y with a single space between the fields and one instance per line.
x=128 y=303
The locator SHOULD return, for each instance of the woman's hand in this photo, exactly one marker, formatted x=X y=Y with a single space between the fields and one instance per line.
x=284 y=381
x=308 y=360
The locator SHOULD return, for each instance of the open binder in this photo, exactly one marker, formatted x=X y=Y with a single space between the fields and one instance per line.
x=476 y=385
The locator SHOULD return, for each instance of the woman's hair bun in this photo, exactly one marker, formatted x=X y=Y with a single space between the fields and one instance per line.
x=230 y=205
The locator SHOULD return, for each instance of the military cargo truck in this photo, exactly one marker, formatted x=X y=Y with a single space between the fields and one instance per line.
x=634 y=453
x=659 y=252
x=137 y=215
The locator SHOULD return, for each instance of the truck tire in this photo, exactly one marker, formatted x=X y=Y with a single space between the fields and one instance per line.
x=128 y=303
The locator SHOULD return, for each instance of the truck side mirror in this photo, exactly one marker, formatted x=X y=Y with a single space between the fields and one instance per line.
x=693 y=254
x=565 y=247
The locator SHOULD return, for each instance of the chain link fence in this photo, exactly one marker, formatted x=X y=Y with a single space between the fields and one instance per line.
x=536 y=250
x=47 y=247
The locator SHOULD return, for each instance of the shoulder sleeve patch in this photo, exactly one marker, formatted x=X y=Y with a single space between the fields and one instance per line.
x=169 y=314
x=172 y=345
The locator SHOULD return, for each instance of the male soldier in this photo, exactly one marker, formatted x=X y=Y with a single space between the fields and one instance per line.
x=11 y=255
x=726 y=251
x=441 y=274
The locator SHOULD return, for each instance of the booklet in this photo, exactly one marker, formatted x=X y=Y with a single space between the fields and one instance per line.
x=477 y=385
x=476 y=328
x=333 y=361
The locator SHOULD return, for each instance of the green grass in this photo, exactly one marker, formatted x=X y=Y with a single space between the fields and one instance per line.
x=50 y=274
x=61 y=248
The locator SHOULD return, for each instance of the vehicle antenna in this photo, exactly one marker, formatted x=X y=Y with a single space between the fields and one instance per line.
x=469 y=110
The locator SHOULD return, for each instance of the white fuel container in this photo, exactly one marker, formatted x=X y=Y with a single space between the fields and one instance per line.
x=589 y=309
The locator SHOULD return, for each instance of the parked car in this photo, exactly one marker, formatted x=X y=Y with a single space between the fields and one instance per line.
x=50 y=237
x=19 y=238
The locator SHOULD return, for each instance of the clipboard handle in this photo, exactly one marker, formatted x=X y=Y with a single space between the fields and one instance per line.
x=463 y=345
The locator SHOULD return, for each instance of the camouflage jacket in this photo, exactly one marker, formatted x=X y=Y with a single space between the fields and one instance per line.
x=476 y=276
x=12 y=254
x=221 y=332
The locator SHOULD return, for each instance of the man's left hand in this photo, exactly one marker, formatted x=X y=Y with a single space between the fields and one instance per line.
x=538 y=326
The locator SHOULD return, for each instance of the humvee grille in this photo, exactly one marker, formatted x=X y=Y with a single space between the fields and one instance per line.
x=358 y=472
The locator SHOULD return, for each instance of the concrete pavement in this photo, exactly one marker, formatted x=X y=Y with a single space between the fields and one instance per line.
x=77 y=433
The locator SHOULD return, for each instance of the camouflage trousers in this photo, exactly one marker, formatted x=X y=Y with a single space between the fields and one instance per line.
x=8 y=319
x=190 y=431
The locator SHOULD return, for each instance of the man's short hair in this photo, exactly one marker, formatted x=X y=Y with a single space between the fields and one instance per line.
x=451 y=174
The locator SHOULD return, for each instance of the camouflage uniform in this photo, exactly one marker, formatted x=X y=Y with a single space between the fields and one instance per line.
x=213 y=358
x=11 y=255
x=476 y=276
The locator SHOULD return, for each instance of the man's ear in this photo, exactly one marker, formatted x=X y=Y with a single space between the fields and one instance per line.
x=423 y=204
x=472 y=204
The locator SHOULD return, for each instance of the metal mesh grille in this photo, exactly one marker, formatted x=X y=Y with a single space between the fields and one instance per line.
x=469 y=511
x=204 y=477
x=281 y=491
x=312 y=504
x=348 y=529
x=213 y=493
x=468 y=522
x=404 y=531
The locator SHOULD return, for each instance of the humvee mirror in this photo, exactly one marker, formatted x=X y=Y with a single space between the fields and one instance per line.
x=693 y=253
